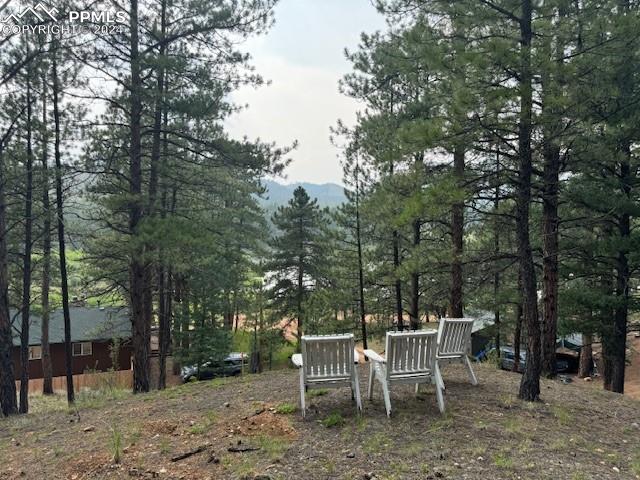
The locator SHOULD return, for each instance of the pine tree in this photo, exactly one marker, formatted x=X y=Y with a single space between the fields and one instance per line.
x=56 y=94
x=28 y=245
x=8 y=401
x=350 y=218
x=47 y=368
x=297 y=256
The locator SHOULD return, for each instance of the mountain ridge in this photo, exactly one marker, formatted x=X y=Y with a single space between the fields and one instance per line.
x=328 y=194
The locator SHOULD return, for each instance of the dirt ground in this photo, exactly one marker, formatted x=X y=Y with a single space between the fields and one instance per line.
x=632 y=369
x=632 y=376
x=249 y=427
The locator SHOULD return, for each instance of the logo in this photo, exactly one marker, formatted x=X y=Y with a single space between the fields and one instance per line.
x=40 y=12
x=43 y=19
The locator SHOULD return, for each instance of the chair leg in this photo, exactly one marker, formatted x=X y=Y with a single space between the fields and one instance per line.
x=387 y=398
x=302 y=390
x=417 y=388
x=439 y=376
x=472 y=375
x=437 y=381
x=356 y=388
x=372 y=374
x=440 y=398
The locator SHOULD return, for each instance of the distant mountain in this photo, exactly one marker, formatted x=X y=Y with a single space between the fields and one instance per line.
x=328 y=194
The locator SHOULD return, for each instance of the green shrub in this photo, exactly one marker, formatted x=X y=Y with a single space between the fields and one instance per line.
x=286 y=408
x=333 y=420
x=317 y=392
x=115 y=444
x=501 y=460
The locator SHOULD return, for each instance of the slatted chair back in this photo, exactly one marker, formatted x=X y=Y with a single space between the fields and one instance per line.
x=454 y=336
x=410 y=354
x=327 y=357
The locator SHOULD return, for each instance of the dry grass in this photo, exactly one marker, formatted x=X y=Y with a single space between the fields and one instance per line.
x=575 y=433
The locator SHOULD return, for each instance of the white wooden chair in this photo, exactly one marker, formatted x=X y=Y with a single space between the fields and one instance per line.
x=454 y=344
x=410 y=358
x=328 y=361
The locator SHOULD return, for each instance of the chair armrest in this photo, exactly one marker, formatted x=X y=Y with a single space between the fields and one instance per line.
x=371 y=355
x=296 y=359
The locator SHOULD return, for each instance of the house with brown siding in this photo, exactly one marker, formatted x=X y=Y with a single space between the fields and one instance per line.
x=95 y=332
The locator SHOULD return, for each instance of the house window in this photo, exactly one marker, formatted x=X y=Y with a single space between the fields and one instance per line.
x=35 y=353
x=82 y=349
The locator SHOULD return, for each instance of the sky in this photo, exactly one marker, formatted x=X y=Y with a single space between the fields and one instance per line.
x=303 y=57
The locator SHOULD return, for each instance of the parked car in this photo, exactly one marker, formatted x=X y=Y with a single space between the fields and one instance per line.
x=508 y=359
x=232 y=365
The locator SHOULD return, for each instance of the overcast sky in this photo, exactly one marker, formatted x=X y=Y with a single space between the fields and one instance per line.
x=303 y=57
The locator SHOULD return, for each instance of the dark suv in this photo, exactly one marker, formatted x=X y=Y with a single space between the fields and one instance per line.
x=508 y=358
x=232 y=365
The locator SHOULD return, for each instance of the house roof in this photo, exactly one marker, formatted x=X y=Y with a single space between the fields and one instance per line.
x=87 y=324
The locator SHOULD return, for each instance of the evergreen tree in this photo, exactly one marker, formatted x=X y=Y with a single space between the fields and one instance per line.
x=297 y=256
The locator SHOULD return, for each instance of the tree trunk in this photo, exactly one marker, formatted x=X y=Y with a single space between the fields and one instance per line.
x=236 y=311
x=176 y=334
x=228 y=313
x=165 y=316
x=550 y=223
x=517 y=333
x=414 y=301
x=398 y=285
x=64 y=287
x=363 y=314
x=457 y=236
x=163 y=330
x=496 y=252
x=606 y=313
x=299 y=302
x=165 y=306
x=8 y=401
x=530 y=383
x=165 y=296
x=256 y=351
x=414 y=304
x=614 y=334
x=173 y=281
x=185 y=314
x=618 y=343
x=157 y=114
x=586 y=356
x=255 y=364
x=551 y=89
x=619 y=340
x=138 y=276
x=396 y=264
x=26 y=262
x=47 y=369
x=165 y=280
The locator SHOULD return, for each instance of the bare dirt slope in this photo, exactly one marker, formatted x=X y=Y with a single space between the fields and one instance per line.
x=575 y=433
x=632 y=377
